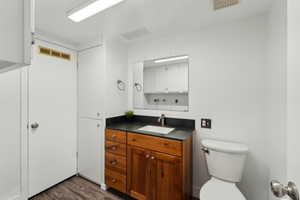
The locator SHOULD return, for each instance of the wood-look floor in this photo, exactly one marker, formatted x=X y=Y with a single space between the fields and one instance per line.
x=76 y=188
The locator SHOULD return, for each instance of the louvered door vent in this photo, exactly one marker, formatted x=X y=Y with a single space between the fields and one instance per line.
x=54 y=53
x=220 y=4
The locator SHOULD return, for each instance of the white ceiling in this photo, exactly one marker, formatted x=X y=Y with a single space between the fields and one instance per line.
x=158 y=16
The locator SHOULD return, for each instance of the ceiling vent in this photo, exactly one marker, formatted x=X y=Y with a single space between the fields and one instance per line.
x=136 y=34
x=220 y=4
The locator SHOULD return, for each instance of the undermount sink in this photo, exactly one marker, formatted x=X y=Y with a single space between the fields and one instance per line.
x=157 y=129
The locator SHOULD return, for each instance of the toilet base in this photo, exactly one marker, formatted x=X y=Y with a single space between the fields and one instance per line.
x=216 y=189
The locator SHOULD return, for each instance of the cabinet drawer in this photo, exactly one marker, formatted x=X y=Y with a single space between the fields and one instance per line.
x=115 y=180
x=115 y=148
x=115 y=162
x=172 y=147
x=115 y=136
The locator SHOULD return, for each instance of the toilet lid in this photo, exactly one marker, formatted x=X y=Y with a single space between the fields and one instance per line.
x=228 y=147
x=216 y=189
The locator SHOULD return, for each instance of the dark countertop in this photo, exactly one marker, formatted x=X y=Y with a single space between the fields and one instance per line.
x=180 y=133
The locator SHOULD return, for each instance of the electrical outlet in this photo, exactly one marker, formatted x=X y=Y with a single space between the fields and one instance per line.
x=206 y=123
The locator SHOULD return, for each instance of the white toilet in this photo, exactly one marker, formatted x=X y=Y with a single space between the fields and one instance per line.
x=225 y=163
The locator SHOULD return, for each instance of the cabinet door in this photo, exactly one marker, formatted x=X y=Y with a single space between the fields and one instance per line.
x=168 y=176
x=91 y=83
x=150 y=80
x=13 y=136
x=90 y=150
x=15 y=35
x=138 y=174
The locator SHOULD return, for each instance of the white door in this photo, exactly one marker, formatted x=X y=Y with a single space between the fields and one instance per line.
x=52 y=120
x=91 y=150
x=13 y=135
x=91 y=71
x=292 y=136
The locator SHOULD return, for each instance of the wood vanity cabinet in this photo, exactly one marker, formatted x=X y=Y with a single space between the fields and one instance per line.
x=115 y=160
x=157 y=168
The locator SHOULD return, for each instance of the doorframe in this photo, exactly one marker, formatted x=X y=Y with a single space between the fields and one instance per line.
x=24 y=115
x=23 y=125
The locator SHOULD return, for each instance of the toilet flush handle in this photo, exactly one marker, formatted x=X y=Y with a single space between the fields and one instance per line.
x=205 y=150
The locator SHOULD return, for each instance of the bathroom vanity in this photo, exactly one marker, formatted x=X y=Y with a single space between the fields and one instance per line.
x=149 y=165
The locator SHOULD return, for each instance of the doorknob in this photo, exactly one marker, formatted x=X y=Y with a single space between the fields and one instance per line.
x=35 y=125
x=279 y=190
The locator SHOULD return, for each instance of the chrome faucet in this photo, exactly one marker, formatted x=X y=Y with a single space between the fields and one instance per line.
x=162 y=119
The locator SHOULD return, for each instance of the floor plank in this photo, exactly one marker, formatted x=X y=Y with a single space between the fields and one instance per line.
x=76 y=188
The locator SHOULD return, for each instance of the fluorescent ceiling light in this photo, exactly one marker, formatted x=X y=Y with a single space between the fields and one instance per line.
x=171 y=59
x=90 y=8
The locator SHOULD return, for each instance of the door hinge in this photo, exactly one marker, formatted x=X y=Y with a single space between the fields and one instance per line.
x=32 y=39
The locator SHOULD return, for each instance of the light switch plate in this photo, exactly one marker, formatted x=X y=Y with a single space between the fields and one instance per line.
x=206 y=123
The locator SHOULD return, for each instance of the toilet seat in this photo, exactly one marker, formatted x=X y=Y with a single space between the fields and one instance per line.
x=216 y=189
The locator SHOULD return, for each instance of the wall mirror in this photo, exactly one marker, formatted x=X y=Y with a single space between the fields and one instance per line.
x=162 y=84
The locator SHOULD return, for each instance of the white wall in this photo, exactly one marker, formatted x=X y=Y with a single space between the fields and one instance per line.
x=276 y=93
x=227 y=84
x=116 y=69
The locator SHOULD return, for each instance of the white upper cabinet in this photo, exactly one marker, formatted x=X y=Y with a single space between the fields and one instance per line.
x=166 y=79
x=91 y=83
x=17 y=28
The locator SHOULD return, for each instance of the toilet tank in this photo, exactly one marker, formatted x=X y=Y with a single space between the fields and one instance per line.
x=225 y=160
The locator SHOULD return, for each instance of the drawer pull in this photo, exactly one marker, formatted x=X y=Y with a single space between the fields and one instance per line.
x=113 y=180
x=113 y=136
x=112 y=148
x=113 y=162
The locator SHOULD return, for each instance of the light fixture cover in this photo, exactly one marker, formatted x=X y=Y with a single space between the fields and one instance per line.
x=171 y=59
x=90 y=8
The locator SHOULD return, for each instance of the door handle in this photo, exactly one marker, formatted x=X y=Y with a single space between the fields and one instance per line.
x=279 y=190
x=35 y=125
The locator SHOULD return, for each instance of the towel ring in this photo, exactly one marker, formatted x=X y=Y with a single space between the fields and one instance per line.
x=121 y=85
x=138 y=87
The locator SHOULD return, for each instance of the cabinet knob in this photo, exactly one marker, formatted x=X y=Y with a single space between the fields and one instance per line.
x=147 y=156
x=114 y=148
x=152 y=157
x=113 y=136
x=35 y=125
x=113 y=162
x=98 y=125
x=98 y=114
x=113 y=180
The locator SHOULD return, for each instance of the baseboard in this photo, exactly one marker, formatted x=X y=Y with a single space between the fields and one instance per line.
x=103 y=186
x=196 y=192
